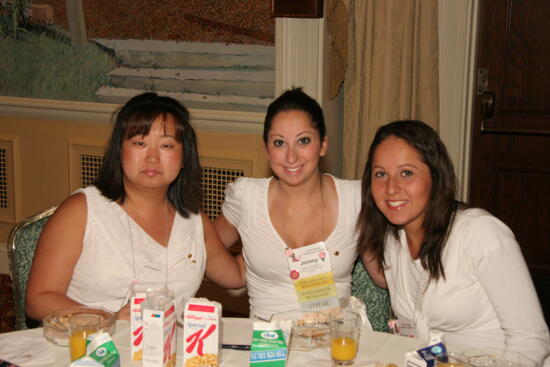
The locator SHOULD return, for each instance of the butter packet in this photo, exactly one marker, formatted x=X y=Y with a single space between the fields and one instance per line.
x=270 y=343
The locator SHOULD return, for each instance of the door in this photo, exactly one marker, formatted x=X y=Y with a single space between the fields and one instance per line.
x=510 y=167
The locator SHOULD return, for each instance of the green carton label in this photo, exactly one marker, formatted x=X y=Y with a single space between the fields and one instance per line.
x=268 y=349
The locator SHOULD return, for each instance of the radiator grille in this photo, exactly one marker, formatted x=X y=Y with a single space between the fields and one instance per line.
x=214 y=180
x=7 y=180
x=89 y=168
x=4 y=191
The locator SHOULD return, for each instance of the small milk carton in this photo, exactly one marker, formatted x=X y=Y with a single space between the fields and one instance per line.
x=425 y=357
x=201 y=333
x=270 y=341
x=137 y=296
x=159 y=329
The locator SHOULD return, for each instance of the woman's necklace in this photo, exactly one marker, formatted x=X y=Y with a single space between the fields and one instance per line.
x=166 y=240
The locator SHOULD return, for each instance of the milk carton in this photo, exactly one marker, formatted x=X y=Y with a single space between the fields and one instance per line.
x=201 y=333
x=270 y=341
x=137 y=296
x=159 y=329
x=425 y=357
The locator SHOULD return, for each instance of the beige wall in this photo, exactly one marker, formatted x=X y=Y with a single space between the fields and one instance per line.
x=45 y=155
x=41 y=160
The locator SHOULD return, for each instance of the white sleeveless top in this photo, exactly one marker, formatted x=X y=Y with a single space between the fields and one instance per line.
x=270 y=289
x=114 y=245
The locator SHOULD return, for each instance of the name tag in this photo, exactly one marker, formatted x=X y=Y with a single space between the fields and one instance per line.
x=311 y=275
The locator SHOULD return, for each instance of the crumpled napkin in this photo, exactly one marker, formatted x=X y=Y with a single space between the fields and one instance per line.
x=25 y=350
x=354 y=304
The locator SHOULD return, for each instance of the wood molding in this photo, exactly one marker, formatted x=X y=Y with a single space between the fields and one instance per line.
x=299 y=55
x=212 y=120
x=457 y=39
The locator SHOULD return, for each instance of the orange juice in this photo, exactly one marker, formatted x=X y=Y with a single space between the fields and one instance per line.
x=343 y=348
x=77 y=343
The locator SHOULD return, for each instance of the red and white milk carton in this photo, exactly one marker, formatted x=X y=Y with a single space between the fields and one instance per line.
x=201 y=333
x=159 y=329
x=137 y=296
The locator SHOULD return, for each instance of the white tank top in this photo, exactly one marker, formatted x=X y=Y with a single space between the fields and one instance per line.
x=114 y=245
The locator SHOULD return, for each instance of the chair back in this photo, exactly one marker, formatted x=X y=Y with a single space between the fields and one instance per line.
x=21 y=246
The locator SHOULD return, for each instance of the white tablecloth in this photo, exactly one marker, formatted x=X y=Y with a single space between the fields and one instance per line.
x=373 y=346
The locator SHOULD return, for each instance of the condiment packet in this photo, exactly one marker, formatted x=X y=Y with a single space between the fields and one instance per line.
x=270 y=342
x=201 y=333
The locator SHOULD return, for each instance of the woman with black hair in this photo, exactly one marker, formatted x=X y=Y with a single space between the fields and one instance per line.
x=448 y=268
x=141 y=221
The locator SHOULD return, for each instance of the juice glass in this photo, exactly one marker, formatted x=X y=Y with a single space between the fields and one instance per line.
x=80 y=326
x=345 y=327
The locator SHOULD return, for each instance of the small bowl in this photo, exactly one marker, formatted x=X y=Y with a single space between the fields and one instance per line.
x=56 y=324
x=309 y=329
x=488 y=357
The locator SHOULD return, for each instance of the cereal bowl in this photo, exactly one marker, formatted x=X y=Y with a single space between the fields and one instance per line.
x=56 y=324
x=310 y=329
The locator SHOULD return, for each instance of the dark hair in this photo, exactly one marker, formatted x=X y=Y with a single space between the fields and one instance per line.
x=372 y=224
x=296 y=99
x=136 y=118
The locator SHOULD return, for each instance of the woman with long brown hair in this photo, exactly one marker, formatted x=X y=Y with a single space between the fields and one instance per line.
x=449 y=268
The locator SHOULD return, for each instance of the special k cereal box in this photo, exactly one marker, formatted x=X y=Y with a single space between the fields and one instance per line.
x=159 y=330
x=201 y=333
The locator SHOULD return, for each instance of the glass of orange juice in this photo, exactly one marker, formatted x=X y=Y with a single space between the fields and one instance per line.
x=345 y=328
x=80 y=327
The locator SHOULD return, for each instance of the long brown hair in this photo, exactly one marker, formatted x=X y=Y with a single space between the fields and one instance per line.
x=374 y=227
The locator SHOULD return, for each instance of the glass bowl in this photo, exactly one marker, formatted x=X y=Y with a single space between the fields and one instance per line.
x=488 y=357
x=56 y=324
x=310 y=329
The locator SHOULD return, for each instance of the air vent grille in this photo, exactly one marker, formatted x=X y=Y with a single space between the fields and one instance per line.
x=216 y=173
x=4 y=192
x=89 y=168
x=214 y=180
x=7 y=180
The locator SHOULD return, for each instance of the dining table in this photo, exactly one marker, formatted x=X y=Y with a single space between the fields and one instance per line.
x=375 y=348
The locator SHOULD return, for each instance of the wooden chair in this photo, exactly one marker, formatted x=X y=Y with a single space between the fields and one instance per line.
x=21 y=246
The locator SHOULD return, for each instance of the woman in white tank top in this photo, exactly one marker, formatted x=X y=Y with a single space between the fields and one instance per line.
x=140 y=221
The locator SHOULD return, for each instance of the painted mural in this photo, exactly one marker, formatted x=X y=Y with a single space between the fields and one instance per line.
x=199 y=51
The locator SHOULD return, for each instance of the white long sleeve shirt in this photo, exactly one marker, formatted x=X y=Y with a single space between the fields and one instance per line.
x=487 y=299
